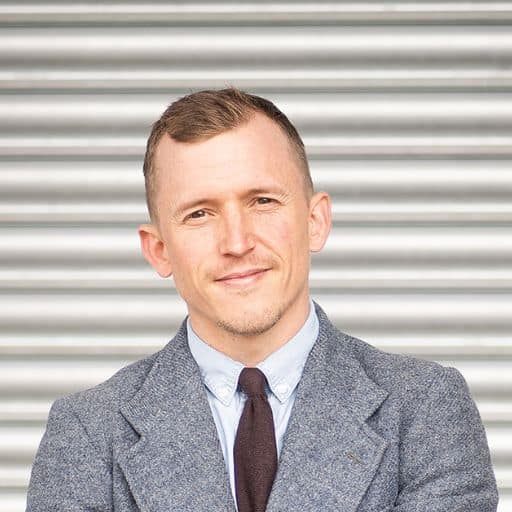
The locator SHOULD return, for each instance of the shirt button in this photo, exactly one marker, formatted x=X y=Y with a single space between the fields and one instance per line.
x=282 y=388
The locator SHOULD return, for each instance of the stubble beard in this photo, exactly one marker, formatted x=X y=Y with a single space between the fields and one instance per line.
x=251 y=324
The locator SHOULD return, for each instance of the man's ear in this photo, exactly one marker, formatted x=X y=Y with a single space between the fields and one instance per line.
x=319 y=220
x=154 y=249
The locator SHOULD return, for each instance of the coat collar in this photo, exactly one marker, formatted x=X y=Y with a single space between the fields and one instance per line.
x=177 y=462
x=330 y=454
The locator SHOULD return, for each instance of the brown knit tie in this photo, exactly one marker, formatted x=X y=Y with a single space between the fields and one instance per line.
x=255 y=452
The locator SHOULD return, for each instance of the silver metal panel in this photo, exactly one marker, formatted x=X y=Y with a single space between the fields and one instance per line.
x=384 y=11
x=302 y=57
x=406 y=111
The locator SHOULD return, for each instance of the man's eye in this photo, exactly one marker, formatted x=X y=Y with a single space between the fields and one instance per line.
x=265 y=200
x=198 y=214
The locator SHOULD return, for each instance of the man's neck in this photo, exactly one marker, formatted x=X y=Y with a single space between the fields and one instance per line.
x=251 y=350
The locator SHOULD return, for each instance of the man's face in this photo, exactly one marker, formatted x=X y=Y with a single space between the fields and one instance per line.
x=235 y=204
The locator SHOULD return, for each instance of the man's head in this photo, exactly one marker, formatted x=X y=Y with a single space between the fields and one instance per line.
x=204 y=114
x=236 y=200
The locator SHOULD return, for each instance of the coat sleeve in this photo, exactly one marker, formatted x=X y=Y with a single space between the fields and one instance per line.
x=69 y=474
x=445 y=460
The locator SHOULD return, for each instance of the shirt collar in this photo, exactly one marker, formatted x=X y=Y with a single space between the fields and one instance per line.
x=283 y=368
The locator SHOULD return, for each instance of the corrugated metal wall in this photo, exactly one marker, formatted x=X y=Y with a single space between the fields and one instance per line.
x=406 y=110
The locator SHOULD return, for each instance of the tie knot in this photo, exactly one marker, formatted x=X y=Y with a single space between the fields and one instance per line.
x=252 y=381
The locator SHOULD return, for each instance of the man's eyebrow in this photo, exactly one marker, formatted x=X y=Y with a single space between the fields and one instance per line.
x=267 y=190
x=180 y=208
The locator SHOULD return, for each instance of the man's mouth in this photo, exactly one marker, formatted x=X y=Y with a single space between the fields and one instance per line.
x=243 y=277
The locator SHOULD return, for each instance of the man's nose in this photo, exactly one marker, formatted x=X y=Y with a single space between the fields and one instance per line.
x=236 y=236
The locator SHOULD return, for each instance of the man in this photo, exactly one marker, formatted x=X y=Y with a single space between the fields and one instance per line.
x=258 y=402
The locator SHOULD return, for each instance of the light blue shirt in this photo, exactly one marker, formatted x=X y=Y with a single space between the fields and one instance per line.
x=283 y=370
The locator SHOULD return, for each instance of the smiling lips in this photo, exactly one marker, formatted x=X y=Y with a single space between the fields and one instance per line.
x=243 y=277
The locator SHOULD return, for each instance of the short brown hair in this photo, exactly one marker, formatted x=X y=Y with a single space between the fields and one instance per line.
x=204 y=114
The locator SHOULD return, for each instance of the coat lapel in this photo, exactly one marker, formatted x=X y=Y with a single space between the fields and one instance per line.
x=177 y=462
x=329 y=455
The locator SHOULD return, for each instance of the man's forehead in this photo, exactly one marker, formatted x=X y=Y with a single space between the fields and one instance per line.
x=213 y=184
x=194 y=164
x=260 y=135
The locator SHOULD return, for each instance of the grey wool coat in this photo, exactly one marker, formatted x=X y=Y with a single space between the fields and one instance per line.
x=369 y=432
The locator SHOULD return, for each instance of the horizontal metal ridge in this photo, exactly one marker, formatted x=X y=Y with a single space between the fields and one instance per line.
x=189 y=49
x=255 y=12
x=431 y=342
x=345 y=245
x=412 y=179
x=322 y=117
x=14 y=476
x=23 y=410
x=455 y=245
x=485 y=313
x=361 y=211
x=434 y=145
x=433 y=345
x=62 y=80
x=348 y=277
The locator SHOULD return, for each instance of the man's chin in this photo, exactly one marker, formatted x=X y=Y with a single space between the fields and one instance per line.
x=250 y=322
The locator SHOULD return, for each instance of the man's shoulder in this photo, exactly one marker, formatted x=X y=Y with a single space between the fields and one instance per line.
x=404 y=377
x=385 y=365
x=121 y=386
x=95 y=408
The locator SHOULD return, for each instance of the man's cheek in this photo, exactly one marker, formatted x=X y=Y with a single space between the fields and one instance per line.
x=281 y=232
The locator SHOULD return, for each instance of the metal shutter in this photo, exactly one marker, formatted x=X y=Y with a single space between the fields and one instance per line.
x=406 y=110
